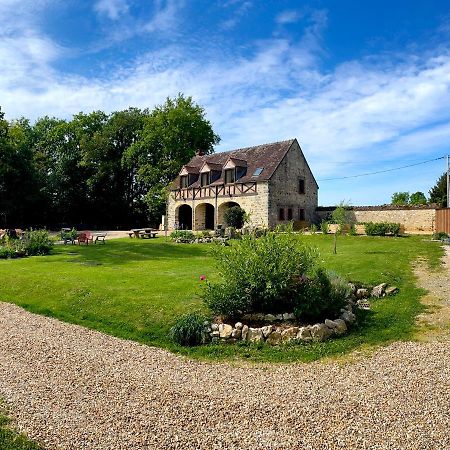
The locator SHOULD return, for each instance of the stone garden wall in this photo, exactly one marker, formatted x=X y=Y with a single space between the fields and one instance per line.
x=413 y=219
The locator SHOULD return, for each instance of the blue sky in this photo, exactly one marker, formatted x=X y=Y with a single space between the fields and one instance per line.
x=364 y=86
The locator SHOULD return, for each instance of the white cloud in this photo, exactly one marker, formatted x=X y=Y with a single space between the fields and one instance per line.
x=288 y=16
x=113 y=9
x=165 y=17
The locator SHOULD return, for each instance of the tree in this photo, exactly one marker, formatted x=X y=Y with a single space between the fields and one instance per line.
x=438 y=193
x=400 y=198
x=418 y=198
x=342 y=216
x=171 y=136
x=235 y=217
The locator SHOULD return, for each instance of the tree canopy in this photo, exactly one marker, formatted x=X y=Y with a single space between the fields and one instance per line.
x=438 y=193
x=97 y=169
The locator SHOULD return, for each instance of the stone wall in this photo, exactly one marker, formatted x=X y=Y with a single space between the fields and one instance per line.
x=414 y=220
x=284 y=188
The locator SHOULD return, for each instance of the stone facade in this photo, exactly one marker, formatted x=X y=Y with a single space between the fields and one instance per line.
x=413 y=219
x=284 y=189
x=281 y=166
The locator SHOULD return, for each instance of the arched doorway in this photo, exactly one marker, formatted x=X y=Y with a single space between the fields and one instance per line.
x=204 y=217
x=221 y=212
x=184 y=218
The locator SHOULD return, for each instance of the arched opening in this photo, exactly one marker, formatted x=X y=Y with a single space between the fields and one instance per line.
x=184 y=217
x=204 y=217
x=221 y=212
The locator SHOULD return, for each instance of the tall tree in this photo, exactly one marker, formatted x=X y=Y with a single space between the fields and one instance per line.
x=400 y=198
x=172 y=134
x=418 y=198
x=438 y=193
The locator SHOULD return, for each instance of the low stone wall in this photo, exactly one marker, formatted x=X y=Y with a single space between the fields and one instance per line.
x=413 y=219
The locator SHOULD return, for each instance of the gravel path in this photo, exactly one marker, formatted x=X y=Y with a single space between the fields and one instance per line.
x=73 y=388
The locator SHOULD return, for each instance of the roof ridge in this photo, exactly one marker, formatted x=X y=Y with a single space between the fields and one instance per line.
x=252 y=146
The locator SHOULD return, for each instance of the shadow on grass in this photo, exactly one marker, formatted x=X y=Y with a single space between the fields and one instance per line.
x=124 y=251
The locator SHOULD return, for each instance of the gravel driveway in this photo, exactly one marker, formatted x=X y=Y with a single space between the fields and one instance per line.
x=73 y=388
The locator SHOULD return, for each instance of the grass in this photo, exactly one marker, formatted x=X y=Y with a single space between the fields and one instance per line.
x=136 y=289
x=11 y=440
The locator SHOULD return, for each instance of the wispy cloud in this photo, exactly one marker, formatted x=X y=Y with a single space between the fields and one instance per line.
x=288 y=16
x=113 y=9
x=239 y=9
x=165 y=17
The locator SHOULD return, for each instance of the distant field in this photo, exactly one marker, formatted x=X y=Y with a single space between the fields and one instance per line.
x=135 y=289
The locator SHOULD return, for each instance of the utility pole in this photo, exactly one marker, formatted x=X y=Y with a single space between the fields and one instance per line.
x=448 y=187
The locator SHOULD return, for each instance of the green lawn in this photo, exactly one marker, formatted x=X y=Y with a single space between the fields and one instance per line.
x=11 y=440
x=135 y=289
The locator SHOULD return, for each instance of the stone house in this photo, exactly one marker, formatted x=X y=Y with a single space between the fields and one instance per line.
x=271 y=182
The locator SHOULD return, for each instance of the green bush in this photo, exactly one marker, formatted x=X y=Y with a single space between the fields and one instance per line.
x=320 y=296
x=382 y=228
x=235 y=217
x=37 y=242
x=258 y=274
x=189 y=329
x=6 y=252
x=441 y=235
x=324 y=226
x=182 y=234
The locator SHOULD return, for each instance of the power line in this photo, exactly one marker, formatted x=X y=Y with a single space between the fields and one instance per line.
x=382 y=171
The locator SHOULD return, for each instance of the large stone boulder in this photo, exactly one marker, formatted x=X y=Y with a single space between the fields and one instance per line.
x=266 y=330
x=391 y=290
x=236 y=333
x=348 y=317
x=330 y=324
x=270 y=318
x=288 y=316
x=304 y=334
x=225 y=330
x=320 y=332
x=255 y=335
x=244 y=333
x=379 y=290
x=362 y=293
x=274 y=338
x=289 y=334
x=341 y=326
x=238 y=326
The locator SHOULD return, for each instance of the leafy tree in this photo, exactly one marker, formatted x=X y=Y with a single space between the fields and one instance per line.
x=342 y=216
x=235 y=217
x=171 y=135
x=418 y=198
x=438 y=193
x=400 y=198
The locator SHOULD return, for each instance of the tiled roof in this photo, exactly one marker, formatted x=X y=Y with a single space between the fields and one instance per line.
x=266 y=156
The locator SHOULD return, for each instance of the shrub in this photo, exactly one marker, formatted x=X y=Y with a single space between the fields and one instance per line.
x=382 y=228
x=182 y=234
x=313 y=228
x=320 y=296
x=324 y=226
x=235 y=217
x=441 y=235
x=6 y=252
x=343 y=217
x=37 y=242
x=258 y=274
x=189 y=329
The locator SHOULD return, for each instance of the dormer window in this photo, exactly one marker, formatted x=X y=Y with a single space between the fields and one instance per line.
x=184 y=181
x=229 y=176
x=205 y=178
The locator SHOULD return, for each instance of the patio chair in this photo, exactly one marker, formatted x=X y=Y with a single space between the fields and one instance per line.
x=84 y=237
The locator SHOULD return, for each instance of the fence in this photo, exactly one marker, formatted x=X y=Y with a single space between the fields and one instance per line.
x=443 y=220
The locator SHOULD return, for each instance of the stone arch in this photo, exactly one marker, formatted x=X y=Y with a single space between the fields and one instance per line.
x=221 y=212
x=204 y=216
x=183 y=217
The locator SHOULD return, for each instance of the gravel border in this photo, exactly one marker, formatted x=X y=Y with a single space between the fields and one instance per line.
x=74 y=388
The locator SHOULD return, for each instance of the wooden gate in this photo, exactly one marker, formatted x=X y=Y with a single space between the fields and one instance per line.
x=443 y=220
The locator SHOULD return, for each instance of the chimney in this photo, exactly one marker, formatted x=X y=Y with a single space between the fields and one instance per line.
x=199 y=153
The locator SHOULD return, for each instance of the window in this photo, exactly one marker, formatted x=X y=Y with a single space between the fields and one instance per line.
x=204 y=179
x=240 y=172
x=281 y=214
x=258 y=171
x=229 y=176
x=301 y=186
x=184 y=181
x=289 y=214
x=301 y=214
